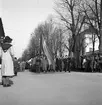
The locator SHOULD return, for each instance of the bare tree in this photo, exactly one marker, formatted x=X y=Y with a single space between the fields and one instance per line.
x=73 y=19
x=52 y=35
x=25 y=55
x=93 y=12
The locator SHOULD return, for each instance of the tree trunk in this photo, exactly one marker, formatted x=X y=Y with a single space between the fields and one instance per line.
x=75 y=52
x=93 y=43
x=100 y=43
x=100 y=30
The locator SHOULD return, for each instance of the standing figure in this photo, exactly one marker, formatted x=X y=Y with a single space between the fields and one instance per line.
x=1 y=41
x=22 y=66
x=44 y=64
x=38 y=64
x=16 y=66
x=7 y=67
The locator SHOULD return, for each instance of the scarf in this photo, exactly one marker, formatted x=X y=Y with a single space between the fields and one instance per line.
x=5 y=46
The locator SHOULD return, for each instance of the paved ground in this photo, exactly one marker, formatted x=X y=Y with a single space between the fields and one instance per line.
x=53 y=89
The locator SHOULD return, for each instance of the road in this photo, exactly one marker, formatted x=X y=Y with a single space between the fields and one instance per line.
x=73 y=88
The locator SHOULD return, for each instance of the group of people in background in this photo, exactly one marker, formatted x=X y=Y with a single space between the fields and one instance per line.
x=92 y=63
x=41 y=64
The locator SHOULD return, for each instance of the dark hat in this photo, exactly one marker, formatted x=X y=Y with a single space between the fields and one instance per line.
x=7 y=39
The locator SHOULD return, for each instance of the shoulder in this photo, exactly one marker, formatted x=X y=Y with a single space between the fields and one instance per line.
x=11 y=47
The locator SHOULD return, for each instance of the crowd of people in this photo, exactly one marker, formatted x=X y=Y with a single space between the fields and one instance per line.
x=92 y=63
x=10 y=65
x=40 y=64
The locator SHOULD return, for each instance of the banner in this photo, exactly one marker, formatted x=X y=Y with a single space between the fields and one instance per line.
x=47 y=52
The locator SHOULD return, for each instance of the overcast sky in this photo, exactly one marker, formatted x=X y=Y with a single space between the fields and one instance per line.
x=20 y=17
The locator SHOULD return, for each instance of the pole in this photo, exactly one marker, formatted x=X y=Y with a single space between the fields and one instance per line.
x=40 y=44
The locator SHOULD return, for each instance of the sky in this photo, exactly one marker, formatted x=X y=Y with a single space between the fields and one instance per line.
x=21 y=17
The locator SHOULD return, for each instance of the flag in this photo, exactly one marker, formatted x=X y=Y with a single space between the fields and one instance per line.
x=47 y=52
x=2 y=34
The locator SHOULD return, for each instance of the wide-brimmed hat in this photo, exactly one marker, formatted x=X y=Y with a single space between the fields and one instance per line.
x=7 y=39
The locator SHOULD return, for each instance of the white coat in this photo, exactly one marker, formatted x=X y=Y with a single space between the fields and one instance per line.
x=7 y=66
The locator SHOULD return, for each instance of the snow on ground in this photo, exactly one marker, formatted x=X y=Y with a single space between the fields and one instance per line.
x=53 y=89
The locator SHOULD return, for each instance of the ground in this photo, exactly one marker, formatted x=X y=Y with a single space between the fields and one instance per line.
x=53 y=89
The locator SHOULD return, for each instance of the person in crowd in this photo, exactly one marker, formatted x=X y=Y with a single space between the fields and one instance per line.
x=38 y=64
x=62 y=64
x=100 y=64
x=44 y=64
x=32 y=64
x=7 y=66
x=65 y=64
x=97 y=69
x=92 y=63
x=0 y=73
x=22 y=66
x=95 y=64
x=81 y=62
x=16 y=66
x=88 y=64
x=69 y=64
x=84 y=63
x=57 y=64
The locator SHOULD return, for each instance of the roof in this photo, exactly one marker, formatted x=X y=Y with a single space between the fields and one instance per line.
x=96 y=52
x=91 y=52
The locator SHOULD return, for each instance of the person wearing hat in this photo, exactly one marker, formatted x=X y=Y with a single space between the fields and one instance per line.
x=7 y=66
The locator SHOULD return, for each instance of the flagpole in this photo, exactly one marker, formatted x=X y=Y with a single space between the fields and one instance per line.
x=0 y=8
x=40 y=44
